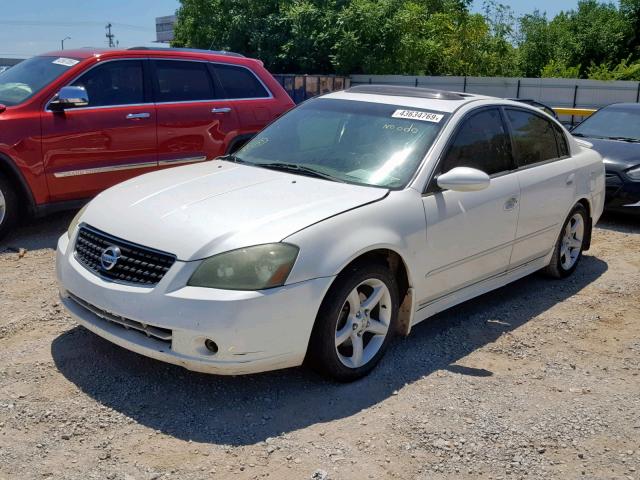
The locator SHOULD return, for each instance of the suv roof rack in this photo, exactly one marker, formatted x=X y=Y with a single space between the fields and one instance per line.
x=401 y=91
x=195 y=50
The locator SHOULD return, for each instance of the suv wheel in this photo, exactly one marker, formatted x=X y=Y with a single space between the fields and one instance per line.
x=568 y=250
x=356 y=320
x=8 y=206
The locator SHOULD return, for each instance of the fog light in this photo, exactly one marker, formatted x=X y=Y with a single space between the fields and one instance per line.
x=211 y=345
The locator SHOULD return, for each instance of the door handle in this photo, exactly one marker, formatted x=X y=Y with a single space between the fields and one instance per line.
x=571 y=178
x=137 y=116
x=221 y=110
x=511 y=203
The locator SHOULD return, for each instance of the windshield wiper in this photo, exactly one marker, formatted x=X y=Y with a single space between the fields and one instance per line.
x=291 y=168
x=231 y=158
x=625 y=139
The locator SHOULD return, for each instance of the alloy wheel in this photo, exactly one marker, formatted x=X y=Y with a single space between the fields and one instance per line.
x=3 y=207
x=363 y=323
x=572 y=239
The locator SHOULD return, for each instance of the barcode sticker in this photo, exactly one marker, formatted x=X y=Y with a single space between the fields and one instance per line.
x=67 y=62
x=417 y=115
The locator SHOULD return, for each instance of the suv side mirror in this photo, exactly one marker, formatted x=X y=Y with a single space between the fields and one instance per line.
x=463 y=179
x=69 y=97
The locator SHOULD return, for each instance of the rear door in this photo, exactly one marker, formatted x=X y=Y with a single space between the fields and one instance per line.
x=546 y=173
x=195 y=122
x=249 y=97
x=470 y=234
x=88 y=149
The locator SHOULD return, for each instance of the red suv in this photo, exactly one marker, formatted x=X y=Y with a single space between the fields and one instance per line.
x=75 y=122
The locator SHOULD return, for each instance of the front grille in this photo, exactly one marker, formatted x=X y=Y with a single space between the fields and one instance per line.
x=158 y=333
x=137 y=264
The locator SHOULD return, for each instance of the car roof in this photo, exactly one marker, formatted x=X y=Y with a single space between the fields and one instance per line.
x=624 y=106
x=89 y=52
x=415 y=97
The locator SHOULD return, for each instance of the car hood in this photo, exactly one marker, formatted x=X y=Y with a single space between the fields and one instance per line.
x=617 y=155
x=200 y=210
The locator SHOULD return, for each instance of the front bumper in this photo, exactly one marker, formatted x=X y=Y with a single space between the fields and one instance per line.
x=622 y=195
x=254 y=331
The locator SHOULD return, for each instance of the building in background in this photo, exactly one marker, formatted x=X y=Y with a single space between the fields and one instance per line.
x=6 y=63
x=164 y=28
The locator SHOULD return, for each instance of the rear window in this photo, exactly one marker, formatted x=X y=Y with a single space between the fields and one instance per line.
x=183 y=81
x=239 y=82
x=533 y=137
x=23 y=81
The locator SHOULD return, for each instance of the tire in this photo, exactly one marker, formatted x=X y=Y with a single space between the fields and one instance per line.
x=333 y=355
x=570 y=244
x=8 y=206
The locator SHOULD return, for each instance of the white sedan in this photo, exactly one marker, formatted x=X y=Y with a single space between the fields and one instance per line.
x=347 y=221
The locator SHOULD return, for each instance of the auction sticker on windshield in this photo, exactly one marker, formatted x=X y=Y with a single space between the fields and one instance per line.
x=418 y=115
x=67 y=62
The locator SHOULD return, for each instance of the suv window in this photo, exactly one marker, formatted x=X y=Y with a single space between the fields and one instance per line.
x=183 y=81
x=114 y=83
x=481 y=142
x=239 y=82
x=534 y=139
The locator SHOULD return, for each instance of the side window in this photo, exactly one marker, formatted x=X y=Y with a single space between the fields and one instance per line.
x=482 y=143
x=114 y=83
x=534 y=139
x=180 y=81
x=239 y=82
x=563 y=148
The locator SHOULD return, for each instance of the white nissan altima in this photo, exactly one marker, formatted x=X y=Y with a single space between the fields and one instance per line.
x=350 y=219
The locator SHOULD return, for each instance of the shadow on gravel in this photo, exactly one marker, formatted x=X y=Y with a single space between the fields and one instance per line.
x=37 y=233
x=245 y=410
x=619 y=222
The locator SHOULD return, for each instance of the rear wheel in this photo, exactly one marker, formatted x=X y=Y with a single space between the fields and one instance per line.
x=8 y=206
x=568 y=250
x=355 y=323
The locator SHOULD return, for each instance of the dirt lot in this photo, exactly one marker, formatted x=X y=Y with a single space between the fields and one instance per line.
x=540 y=379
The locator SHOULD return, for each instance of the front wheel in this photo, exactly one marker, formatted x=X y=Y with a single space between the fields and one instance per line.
x=356 y=320
x=8 y=206
x=568 y=249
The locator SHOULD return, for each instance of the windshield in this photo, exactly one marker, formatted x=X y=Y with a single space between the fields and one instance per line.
x=27 y=78
x=611 y=122
x=348 y=141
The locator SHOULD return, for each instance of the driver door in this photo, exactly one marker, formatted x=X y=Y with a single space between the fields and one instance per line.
x=470 y=234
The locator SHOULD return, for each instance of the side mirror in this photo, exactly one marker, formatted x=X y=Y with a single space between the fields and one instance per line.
x=69 y=97
x=464 y=179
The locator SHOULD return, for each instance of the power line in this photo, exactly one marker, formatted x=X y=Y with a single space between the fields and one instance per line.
x=37 y=23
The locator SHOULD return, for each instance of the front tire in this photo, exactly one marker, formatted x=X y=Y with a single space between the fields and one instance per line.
x=8 y=206
x=355 y=322
x=570 y=244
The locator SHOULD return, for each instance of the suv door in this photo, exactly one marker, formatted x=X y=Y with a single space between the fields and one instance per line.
x=249 y=97
x=547 y=182
x=194 y=123
x=470 y=234
x=88 y=149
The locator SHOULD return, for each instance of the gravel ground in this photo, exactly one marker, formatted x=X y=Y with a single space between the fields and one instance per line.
x=539 y=379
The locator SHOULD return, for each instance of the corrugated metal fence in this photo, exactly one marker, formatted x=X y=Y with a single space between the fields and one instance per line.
x=301 y=87
x=555 y=92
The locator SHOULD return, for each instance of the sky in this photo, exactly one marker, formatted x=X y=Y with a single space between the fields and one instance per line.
x=30 y=27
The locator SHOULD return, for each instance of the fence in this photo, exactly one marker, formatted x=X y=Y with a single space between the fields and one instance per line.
x=555 y=92
x=301 y=87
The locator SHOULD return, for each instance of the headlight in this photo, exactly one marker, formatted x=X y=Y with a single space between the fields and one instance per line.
x=634 y=173
x=75 y=221
x=250 y=268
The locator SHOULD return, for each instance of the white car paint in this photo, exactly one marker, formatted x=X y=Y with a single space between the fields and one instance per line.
x=454 y=245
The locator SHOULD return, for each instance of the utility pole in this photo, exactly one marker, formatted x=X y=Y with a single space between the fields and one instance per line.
x=110 y=36
x=62 y=42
